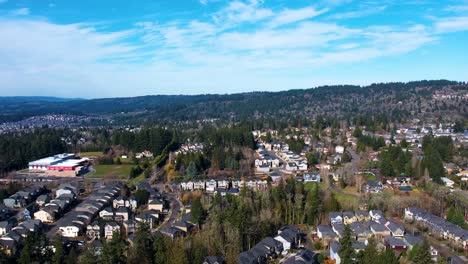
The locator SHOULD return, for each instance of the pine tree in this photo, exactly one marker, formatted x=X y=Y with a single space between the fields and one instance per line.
x=423 y=255
x=88 y=256
x=197 y=211
x=143 y=245
x=346 y=252
x=59 y=253
x=160 y=249
x=370 y=253
x=388 y=257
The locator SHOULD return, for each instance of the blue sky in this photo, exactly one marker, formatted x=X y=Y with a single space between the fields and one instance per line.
x=111 y=48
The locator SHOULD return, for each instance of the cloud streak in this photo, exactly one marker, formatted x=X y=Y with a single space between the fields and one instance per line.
x=242 y=46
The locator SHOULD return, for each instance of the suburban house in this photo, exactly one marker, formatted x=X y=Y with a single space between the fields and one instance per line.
x=379 y=230
x=363 y=216
x=211 y=186
x=349 y=218
x=213 y=260
x=129 y=203
x=377 y=216
x=71 y=230
x=155 y=204
x=396 y=243
x=94 y=231
x=335 y=218
x=46 y=214
x=107 y=214
x=129 y=226
x=42 y=200
x=183 y=226
x=121 y=214
x=374 y=187
x=5 y=227
x=289 y=237
x=334 y=249
x=171 y=232
x=148 y=218
x=325 y=231
x=396 y=230
x=311 y=177
x=110 y=228
x=304 y=256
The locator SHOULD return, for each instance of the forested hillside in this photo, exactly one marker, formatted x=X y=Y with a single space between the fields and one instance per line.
x=389 y=100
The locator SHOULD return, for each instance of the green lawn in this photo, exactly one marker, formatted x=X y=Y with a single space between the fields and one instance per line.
x=111 y=171
x=92 y=154
x=369 y=176
x=347 y=201
x=137 y=180
x=308 y=186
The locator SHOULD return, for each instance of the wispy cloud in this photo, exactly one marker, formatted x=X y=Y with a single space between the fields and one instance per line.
x=245 y=41
x=451 y=24
x=3 y=1
x=20 y=12
x=457 y=8
x=238 y=12
x=359 y=13
x=288 y=16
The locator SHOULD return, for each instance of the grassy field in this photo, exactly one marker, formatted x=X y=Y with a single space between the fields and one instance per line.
x=92 y=154
x=308 y=186
x=111 y=171
x=347 y=201
x=137 y=180
x=369 y=176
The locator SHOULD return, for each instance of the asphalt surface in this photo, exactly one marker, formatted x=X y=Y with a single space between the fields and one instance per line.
x=175 y=208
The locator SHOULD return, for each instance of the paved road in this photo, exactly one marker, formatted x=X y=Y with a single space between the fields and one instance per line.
x=175 y=207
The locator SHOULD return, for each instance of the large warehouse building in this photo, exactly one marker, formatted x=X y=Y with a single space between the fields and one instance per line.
x=65 y=164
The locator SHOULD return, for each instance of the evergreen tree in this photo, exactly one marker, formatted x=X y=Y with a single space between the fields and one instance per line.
x=72 y=257
x=143 y=245
x=423 y=254
x=88 y=256
x=197 y=211
x=177 y=252
x=455 y=216
x=160 y=249
x=388 y=257
x=59 y=254
x=346 y=252
x=313 y=205
x=370 y=254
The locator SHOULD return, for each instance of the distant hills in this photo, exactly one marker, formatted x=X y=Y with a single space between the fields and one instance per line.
x=22 y=99
x=385 y=100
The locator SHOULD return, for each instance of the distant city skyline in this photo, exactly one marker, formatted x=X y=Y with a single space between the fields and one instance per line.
x=96 y=49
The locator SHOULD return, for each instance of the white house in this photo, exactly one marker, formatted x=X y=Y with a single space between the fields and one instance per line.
x=110 y=228
x=448 y=182
x=211 y=186
x=223 y=183
x=187 y=186
x=339 y=149
x=5 y=227
x=334 y=248
x=302 y=166
x=199 y=185
x=291 y=166
x=64 y=190
x=106 y=213
x=336 y=218
x=45 y=215
x=71 y=230
x=263 y=168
